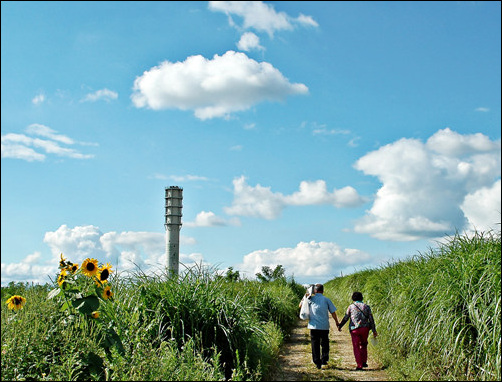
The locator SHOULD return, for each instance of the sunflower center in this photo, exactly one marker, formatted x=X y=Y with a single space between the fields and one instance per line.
x=17 y=301
x=104 y=274
x=90 y=267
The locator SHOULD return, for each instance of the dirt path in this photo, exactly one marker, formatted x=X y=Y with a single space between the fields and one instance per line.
x=295 y=360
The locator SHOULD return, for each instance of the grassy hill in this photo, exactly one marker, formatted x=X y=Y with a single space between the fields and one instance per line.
x=438 y=317
x=438 y=314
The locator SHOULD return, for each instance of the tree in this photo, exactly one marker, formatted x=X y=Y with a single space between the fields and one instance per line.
x=268 y=275
x=232 y=275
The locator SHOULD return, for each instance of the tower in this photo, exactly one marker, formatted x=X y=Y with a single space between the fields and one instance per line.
x=174 y=198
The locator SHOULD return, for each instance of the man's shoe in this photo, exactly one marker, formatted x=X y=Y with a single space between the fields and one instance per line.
x=318 y=365
x=359 y=368
x=365 y=364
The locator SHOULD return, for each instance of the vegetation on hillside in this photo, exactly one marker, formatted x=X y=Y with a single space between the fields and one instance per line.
x=438 y=314
x=202 y=326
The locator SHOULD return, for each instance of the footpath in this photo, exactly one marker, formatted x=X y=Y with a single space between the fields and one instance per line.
x=295 y=359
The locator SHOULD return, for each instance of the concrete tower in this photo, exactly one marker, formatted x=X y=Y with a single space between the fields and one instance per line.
x=174 y=199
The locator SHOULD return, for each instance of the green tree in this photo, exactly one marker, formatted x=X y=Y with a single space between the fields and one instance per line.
x=268 y=275
x=232 y=275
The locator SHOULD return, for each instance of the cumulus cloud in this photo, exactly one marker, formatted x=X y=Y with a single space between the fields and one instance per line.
x=321 y=260
x=261 y=202
x=126 y=251
x=482 y=208
x=28 y=270
x=260 y=16
x=249 y=41
x=210 y=219
x=425 y=185
x=25 y=147
x=212 y=87
x=101 y=95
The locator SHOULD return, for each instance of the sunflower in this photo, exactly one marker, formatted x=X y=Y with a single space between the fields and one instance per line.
x=16 y=302
x=95 y=314
x=104 y=272
x=73 y=268
x=107 y=293
x=62 y=277
x=62 y=261
x=90 y=267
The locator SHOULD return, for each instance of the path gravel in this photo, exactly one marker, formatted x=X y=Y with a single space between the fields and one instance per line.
x=295 y=360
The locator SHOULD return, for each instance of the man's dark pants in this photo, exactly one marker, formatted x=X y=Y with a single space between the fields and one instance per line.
x=320 y=340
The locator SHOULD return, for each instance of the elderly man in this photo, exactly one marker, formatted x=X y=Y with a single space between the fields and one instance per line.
x=319 y=307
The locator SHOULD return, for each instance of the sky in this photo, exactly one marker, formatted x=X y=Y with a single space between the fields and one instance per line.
x=326 y=137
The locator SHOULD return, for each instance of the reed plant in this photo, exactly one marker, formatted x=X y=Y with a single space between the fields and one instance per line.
x=198 y=326
x=438 y=314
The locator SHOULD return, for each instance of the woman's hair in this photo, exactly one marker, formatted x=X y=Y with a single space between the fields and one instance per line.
x=357 y=296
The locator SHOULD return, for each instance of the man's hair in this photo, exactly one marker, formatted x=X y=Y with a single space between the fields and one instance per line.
x=319 y=288
x=357 y=296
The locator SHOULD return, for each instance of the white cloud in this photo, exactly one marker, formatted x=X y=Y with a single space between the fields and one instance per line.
x=483 y=109
x=102 y=94
x=249 y=41
x=21 y=146
x=47 y=132
x=307 y=20
x=261 y=202
x=322 y=130
x=206 y=219
x=212 y=88
x=188 y=178
x=319 y=260
x=424 y=185
x=483 y=208
x=38 y=99
x=451 y=143
x=19 y=151
x=124 y=250
x=257 y=201
x=28 y=270
x=312 y=193
x=260 y=16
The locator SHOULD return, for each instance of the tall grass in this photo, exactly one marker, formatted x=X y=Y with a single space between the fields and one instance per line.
x=198 y=327
x=438 y=314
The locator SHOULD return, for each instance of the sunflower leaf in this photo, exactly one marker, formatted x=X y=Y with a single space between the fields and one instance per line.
x=64 y=306
x=86 y=305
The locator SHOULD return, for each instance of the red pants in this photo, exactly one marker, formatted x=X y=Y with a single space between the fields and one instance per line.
x=360 y=345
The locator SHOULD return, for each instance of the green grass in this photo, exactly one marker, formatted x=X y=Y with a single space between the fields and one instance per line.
x=199 y=327
x=438 y=314
x=438 y=317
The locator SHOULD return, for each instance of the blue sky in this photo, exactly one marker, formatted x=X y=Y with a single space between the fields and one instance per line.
x=327 y=137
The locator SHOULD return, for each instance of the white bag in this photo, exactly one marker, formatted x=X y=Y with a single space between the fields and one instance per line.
x=304 y=310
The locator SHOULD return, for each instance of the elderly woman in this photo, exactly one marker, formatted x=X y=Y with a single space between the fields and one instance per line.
x=361 y=322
